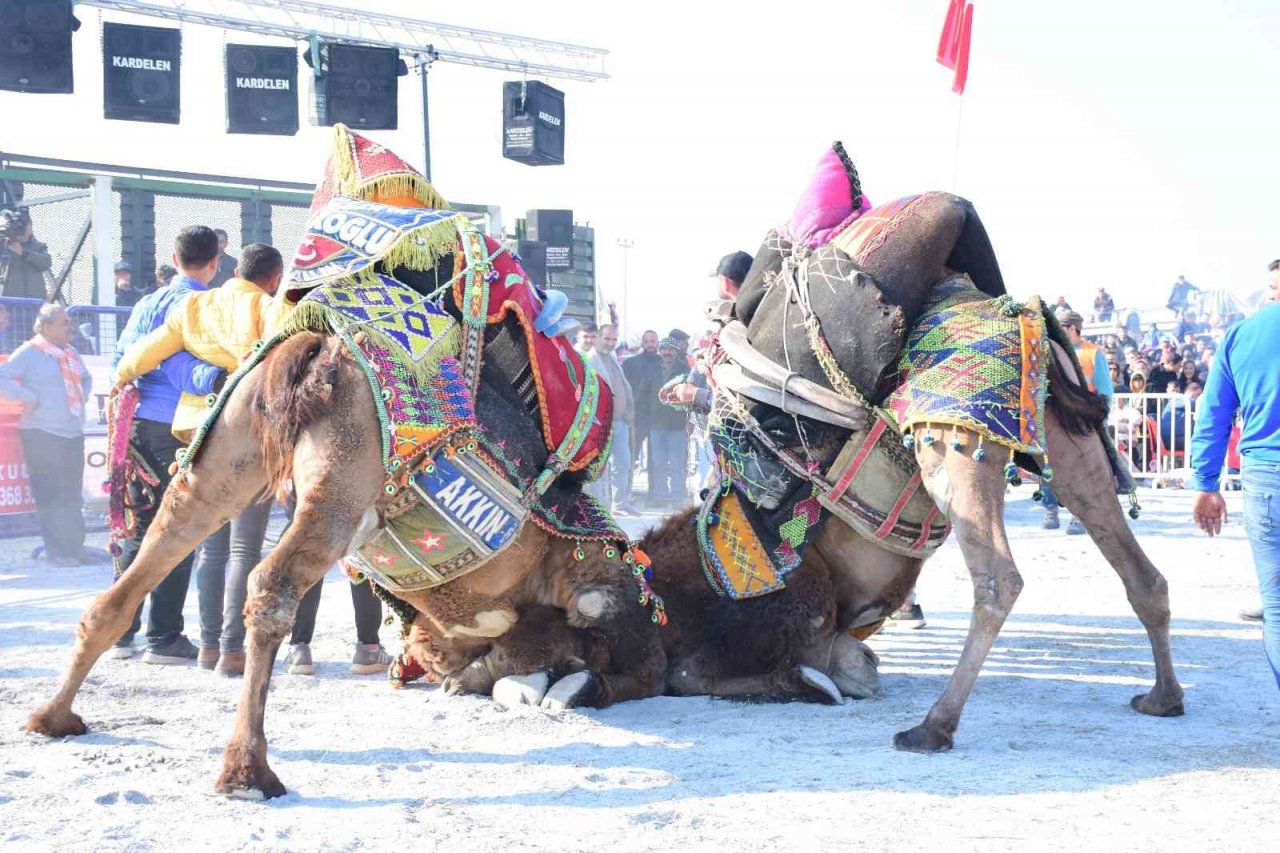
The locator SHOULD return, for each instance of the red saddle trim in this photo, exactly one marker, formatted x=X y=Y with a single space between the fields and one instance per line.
x=558 y=371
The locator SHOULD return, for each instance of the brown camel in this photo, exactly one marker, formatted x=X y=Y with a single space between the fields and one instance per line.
x=306 y=414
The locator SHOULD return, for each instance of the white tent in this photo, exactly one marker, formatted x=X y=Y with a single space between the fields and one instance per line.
x=1221 y=302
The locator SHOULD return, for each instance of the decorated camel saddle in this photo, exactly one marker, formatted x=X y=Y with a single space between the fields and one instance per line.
x=930 y=349
x=425 y=304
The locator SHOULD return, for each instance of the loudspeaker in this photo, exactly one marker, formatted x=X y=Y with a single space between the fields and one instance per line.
x=141 y=73
x=35 y=45
x=533 y=123
x=262 y=89
x=555 y=228
x=358 y=86
x=533 y=259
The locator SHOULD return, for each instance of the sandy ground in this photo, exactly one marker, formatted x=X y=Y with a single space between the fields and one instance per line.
x=1048 y=755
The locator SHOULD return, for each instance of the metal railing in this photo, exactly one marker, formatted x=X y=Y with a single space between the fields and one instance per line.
x=1153 y=434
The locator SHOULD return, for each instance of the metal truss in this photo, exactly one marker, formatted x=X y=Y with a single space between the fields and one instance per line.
x=425 y=40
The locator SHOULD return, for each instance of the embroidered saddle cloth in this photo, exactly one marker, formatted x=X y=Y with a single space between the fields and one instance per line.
x=975 y=362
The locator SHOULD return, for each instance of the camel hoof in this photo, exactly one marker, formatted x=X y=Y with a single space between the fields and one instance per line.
x=922 y=739
x=50 y=722
x=521 y=689
x=1143 y=704
x=249 y=783
x=572 y=691
x=822 y=688
x=853 y=668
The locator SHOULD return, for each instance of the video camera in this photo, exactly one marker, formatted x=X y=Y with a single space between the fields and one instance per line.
x=13 y=224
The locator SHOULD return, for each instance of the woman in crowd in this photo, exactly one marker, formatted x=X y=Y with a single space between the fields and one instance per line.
x=1190 y=375
x=48 y=378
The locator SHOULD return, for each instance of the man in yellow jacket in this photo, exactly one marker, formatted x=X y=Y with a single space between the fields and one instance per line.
x=220 y=326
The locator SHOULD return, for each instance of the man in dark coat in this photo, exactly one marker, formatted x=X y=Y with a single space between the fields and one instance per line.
x=644 y=374
x=23 y=259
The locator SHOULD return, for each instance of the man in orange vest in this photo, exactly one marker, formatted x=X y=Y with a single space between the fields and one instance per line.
x=1097 y=374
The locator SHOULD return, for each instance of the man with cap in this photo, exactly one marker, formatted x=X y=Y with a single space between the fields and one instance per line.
x=127 y=293
x=729 y=275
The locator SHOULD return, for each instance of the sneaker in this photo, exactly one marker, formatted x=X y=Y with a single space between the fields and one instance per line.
x=370 y=659
x=626 y=509
x=1050 y=519
x=1075 y=528
x=208 y=657
x=231 y=664
x=298 y=661
x=1252 y=614
x=908 y=617
x=121 y=651
x=179 y=650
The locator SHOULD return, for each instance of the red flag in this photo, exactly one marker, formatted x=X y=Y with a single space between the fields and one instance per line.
x=962 y=54
x=950 y=38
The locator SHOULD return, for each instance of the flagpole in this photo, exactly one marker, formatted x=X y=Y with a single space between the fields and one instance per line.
x=955 y=156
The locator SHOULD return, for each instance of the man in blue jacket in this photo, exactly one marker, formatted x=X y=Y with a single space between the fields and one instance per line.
x=195 y=254
x=1246 y=377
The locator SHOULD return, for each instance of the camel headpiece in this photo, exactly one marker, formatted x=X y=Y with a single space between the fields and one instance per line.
x=360 y=168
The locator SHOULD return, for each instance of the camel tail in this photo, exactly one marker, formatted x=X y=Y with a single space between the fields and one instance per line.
x=296 y=391
x=1079 y=410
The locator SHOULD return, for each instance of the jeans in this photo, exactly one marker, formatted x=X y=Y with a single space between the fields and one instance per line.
x=368 y=614
x=1262 y=524
x=157 y=445
x=56 y=468
x=704 y=459
x=614 y=486
x=668 y=464
x=222 y=576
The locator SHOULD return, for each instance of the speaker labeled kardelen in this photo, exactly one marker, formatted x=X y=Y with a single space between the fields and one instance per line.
x=533 y=123
x=142 y=73
x=35 y=45
x=262 y=89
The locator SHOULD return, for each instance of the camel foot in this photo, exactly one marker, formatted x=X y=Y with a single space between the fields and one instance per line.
x=922 y=738
x=246 y=777
x=821 y=688
x=851 y=664
x=521 y=689
x=572 y=691
x=54 y=722
x=1149 y=704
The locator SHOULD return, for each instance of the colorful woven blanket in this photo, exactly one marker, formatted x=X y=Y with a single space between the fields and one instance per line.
x=975 y=362
x=346 y=237
x=408 y=348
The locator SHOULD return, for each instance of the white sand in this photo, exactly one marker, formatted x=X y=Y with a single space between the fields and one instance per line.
x=1048 y=755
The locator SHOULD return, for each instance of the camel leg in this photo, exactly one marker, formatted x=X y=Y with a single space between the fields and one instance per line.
x=810 y=683
x=1083 y=481
x=973 y=494
x=226 y=479
x=599 y=594
x=337 y=476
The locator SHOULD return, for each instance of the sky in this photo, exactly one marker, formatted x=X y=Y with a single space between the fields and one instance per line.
x=1103 y=143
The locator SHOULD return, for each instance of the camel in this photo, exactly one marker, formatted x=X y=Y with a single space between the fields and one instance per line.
x=760 y=647
x=306 y=415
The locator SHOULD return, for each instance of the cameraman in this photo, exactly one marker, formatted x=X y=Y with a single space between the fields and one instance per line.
x=23 y=259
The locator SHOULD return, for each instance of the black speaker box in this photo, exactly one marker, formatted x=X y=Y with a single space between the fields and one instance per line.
x=35 y=46
x=533 y=123
x=533 y=259
x=141 y=73
x=262 y=89
x=359 y=86
x=555 y=228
